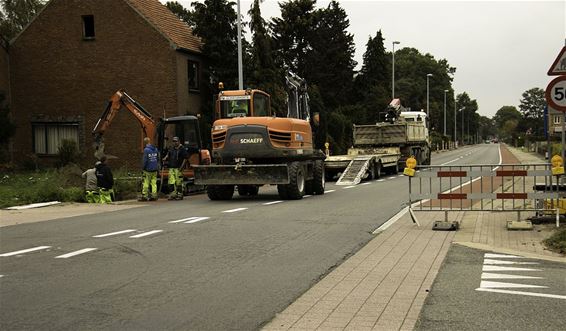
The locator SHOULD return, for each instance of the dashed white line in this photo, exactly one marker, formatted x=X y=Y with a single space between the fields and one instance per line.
x=329 y=191
x=38 y=248
x=190 y=219
x=348 y=187
x=366 y=183
x=144 y=234
x=113 y=233
x=234 y=210
x=197 y=219
x=307 y=196
x=1 y=276
x=381 y=180
x=75 y=253
x=272 y=202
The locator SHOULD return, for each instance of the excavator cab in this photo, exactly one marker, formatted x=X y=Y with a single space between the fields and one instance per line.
x=243 y=103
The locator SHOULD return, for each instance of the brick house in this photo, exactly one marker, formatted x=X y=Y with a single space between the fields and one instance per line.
x=75 y=54
x=4 y=70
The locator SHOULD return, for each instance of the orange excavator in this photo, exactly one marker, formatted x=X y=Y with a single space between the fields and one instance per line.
x=185 y=127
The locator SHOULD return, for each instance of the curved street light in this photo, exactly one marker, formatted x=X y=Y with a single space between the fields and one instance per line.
x=445 y=112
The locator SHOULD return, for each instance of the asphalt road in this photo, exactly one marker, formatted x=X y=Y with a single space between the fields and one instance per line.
x=233 y=266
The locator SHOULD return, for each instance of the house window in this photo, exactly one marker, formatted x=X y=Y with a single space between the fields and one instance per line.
x=556 y=119
x=47 y=137
x=88 y=27
x=193 y=74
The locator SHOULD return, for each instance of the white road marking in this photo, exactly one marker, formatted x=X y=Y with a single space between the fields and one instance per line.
x=348 y=187
x=366 y=183
x=488 y=284
x=34 y=205
x=503 y=256
x=391 y=221
x=381 y=180
x=307 y=196
x=497 y=268
x=544 y=295
x=189 y=219
x=329 y=191
x=144 y=234
x=197 y=219
x=1 y=276
x=75 y=253
x=38 y=248
x=234 y=210
x=399 y=176
x=113 y=233
x=487 y=275
x=272 y=202
x=490 y=261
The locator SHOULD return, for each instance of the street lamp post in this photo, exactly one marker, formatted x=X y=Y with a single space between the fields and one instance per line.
x=240 y=69
x=445 y=112
x=427 y=93
x=462 y=130
x=455 y=120
x=393 y=71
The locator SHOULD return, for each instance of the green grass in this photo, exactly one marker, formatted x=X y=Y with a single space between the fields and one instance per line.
x=557 y=242
x=65 y=185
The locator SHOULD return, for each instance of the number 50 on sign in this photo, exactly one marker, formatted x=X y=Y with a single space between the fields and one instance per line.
x=556 y=93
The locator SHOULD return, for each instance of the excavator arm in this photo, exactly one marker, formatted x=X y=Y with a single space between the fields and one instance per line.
x=117 y=101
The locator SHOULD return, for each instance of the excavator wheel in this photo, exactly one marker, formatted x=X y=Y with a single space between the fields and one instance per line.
x=296 y=187
x=248 y=190
x=318 y=181
x=220 y=192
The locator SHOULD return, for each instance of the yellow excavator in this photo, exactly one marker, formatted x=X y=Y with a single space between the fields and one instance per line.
x=160 y=131
x=252 y=147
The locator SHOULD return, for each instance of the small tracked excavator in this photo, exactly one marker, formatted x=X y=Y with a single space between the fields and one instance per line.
x=160 y=131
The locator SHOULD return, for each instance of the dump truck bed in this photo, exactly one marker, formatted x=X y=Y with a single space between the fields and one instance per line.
x=387 y=134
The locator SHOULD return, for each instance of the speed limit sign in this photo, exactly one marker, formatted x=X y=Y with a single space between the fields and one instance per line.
x=556 y=93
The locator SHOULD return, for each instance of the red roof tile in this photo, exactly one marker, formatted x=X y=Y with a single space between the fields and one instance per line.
x=167 y=24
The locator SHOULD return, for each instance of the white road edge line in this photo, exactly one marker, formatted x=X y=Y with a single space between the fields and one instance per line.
x=25 y=250
x=234 y=210
x=329 y=191
x=75 y=253
x=272 y=202
x=348 y=187
x=144 y=234
x=113 y=233
x=307 y=196
x=366 y=183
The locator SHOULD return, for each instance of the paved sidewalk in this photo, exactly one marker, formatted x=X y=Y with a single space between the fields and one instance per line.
x=384 y=285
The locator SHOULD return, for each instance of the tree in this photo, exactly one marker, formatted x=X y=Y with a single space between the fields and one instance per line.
x=215 y=24
x=506 y=120
x=292 y=35
x=370 y=84
x=331 y=63
x=182 y=13
x=532 y=107
x=16 y=14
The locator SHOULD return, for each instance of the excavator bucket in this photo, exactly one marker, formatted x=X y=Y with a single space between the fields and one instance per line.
x=241 y=174
x=98 y=150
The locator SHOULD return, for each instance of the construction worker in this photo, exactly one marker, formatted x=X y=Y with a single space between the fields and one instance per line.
x=150 y=165
x=105 y=180
x=176 y=157
x=91 y=187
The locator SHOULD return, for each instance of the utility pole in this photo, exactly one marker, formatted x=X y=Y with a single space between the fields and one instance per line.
x=240 y=70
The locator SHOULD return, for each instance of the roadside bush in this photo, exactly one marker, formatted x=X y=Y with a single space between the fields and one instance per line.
x=557 y=242
x=68 y=152
x=126 y=185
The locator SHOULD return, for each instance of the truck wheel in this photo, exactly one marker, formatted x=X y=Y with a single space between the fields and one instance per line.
x=248 y=190
x=375 y=171
x=220 y=192
x=296 y=187
x=319 y=179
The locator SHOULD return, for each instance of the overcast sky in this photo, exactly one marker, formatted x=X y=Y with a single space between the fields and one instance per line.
x=500 y=49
